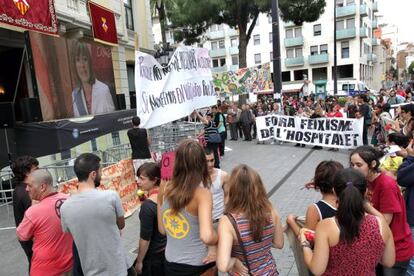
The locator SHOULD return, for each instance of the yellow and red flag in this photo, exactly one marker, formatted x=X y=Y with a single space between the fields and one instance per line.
x=103 y=24
x=36 y=15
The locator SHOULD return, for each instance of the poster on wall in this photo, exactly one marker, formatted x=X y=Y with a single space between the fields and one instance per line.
x=166 y=94
x=74 y=77
x=245 y=80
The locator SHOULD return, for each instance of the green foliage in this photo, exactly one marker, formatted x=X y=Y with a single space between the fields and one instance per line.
x=411 y=68
x=193 y=17
x=299 y=11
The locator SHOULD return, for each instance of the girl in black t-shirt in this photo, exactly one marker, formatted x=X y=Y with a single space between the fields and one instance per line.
x=151 y=247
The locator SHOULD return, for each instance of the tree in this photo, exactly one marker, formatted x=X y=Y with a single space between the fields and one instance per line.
x=411 y=68
x=299 y=11
x=194 y=17
x=159 y=7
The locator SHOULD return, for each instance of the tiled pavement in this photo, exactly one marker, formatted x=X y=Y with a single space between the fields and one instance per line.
x=273 y=162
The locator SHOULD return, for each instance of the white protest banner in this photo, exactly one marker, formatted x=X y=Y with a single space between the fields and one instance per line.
x=326 y=132
x=166 y=94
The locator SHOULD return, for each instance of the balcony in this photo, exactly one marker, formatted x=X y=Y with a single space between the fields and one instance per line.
x=363 y=32
x=375 y=6
x=345 y=11
x=374 y=24
x=297 y=61
x=372 y=57
x=346 y=33
x=289 y=24
x=375 y=42
x=363 y=10
x=232 y=32
x=219 y=69
x=234 y=51
x=216 y=35
x=294 y=41
x=218 y=52
x=318 y=59
x=234 y=68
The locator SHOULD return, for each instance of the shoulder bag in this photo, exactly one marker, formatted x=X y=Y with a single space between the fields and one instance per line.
x=239 y=239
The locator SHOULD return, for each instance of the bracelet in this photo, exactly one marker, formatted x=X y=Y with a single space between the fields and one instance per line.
x=306 y=244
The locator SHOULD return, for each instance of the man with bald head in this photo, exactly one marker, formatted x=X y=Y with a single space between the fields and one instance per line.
x=52 y=249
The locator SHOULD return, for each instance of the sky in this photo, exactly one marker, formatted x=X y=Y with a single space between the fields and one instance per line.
x=399 y=13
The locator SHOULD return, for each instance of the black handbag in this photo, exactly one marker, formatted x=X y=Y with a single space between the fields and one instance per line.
x=233 y=222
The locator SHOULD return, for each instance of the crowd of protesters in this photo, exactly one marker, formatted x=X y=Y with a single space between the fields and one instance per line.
x=204 y=220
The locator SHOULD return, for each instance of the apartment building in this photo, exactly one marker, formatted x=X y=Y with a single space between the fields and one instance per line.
x=307 y=52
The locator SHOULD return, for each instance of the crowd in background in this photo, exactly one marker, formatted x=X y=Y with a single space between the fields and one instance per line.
x=204 y=219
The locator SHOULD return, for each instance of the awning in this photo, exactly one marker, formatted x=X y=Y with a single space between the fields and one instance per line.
x=292 y=87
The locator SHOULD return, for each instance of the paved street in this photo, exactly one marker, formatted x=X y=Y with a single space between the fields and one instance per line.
x=284 y=170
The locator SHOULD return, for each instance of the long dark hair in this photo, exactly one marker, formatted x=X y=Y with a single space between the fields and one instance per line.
x=350 y=187
x=190 y=170
x=247 y=195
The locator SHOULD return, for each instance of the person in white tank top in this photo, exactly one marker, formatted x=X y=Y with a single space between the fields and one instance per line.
x=217 y=189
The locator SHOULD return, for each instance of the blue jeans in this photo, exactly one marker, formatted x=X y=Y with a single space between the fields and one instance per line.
x=410 y=268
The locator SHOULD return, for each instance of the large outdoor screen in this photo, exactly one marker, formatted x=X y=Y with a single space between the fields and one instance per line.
x=74 y=77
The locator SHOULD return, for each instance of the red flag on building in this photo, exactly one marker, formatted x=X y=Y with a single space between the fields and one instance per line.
x=103 y=24
x=36 y=15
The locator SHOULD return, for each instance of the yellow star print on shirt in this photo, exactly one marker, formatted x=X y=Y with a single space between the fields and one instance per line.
x=176 y=225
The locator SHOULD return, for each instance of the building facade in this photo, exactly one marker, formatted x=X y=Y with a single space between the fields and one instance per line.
x=307 y=51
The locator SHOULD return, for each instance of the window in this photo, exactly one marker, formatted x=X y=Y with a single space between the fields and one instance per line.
x=256 y=39
x=290 y=53
x=298 y=52
x=313 y=50
x=350 y=23
x=219 y=62
x=221 y=44
x=324 y=49
x=345 y=49
x=300 y=74
x=298 y=32
x=234 y=60
x=257 y=58
x=115 y=138
x=129 y=20
x=234 y=42
x=366 y=48
x=286 y=76
x=317 y=30
x=220 y=27
x=340 y=3
x=270 y=37
x=340 y=24
x=65 y=154
x=214 y=45
x=94 y=145
x=289 y=33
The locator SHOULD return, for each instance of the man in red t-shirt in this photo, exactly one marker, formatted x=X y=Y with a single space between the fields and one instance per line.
x=52 y=249
x=386 y=197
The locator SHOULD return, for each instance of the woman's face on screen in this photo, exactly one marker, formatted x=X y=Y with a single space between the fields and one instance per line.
x=82 y=68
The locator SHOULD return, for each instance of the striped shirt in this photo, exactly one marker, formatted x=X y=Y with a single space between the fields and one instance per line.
x=259 y=254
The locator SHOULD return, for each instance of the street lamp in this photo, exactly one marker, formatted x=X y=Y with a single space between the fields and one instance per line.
x=335 y=76
x=277 y=71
